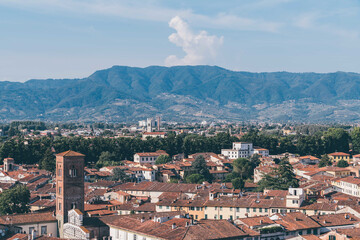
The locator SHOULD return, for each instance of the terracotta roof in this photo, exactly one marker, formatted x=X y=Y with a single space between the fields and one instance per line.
x=310 y=237
x=151 y=154
x=154 y=133
x=296 y=221
x=350 y=179
x=353 y=233
x=27 y=218
x=19 y=236
x=336 y=219
x=309 y=157
x=70 y=153
x=256 y=221
x=338 y=154
x=159 y=187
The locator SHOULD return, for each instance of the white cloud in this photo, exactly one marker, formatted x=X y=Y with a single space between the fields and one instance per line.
x=199 y=48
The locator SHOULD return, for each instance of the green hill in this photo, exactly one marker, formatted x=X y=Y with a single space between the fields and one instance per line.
x=185 y=93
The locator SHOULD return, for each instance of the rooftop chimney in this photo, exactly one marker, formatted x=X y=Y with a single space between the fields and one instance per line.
x=142 y=219
x=173 y=226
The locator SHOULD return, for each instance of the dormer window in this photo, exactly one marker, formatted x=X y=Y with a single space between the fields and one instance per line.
x=73 y=171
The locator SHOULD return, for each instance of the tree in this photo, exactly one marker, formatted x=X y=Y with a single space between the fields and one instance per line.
x=280 y=178
x=106 y=159
x=238 y=183
x=48 y=161
x=120 y=175
x=199 y=167
x=15 y=200
x=162 y=159
x=255 y=160
x=342 y=164
x=243 y=167
x=325 y=161
x=336 y=140
x=195 y=178
x=355 y=139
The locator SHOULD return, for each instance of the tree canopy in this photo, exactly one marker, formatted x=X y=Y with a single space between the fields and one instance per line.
x=15 y=200
x=281 y=178
x=199 y=167
x=162 y=159
x=342 y=164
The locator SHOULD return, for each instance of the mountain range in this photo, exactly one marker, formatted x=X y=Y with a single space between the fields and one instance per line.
x=185 y=93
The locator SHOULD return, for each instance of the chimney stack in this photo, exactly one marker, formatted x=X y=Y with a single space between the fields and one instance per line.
x=173 y=226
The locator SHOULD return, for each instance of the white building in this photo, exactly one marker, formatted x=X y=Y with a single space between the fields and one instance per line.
x=239 y=150
x=295 y=197
x=348 y=185
x=261 y=151
x=148 y=157
x=142 y=174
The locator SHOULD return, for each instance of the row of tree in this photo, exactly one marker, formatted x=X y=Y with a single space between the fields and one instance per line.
x=317 y=144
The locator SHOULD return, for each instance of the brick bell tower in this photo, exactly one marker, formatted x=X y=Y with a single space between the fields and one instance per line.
x=69 y=185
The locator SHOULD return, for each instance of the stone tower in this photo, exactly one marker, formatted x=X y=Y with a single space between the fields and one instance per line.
x=8 y=164
x=69 y=185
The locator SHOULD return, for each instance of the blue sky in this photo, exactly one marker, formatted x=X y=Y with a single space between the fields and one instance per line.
x=73 y=38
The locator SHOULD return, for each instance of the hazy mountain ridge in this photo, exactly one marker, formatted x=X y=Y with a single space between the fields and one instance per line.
x=185 y=93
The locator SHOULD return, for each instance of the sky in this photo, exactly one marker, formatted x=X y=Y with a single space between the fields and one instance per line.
x=42 y=39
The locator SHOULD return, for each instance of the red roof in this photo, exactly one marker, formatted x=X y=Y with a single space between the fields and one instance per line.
x=338 y=154
x=70 y=153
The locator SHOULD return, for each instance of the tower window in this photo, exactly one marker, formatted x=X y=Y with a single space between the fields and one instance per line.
x=73 y=205
x=73 y=172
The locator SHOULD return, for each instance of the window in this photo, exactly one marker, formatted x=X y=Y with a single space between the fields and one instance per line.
x=73 y=172
x=31 y=229
x=315 y=231
x=167 y=207
x=308 y=231
x=215 y=217
x=332 y=237
x=135 y=236
x=260 y=209
x=215 y=208
x=220 y=208
x=230 y=208
x=196 y=216
x=254 y=209
x=205 y=208
x=231 y=217
x=73 y=205
x=266 y=210
x=160 y=207
x=59 y=190
x=205 y=216
x=248 y=210
x=59 y=173
x=43 y=230
x=59 y=206
x=220 y=216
